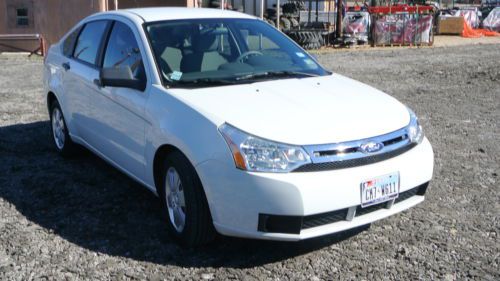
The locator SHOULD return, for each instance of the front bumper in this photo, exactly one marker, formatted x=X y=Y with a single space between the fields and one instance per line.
x=239 y=200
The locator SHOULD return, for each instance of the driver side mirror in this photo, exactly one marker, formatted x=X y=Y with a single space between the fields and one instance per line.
x=122 y=77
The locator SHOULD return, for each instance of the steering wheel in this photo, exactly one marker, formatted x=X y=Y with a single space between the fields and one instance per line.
x=242 y=57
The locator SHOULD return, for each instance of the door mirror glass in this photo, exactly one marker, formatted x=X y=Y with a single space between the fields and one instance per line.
x=122 y=77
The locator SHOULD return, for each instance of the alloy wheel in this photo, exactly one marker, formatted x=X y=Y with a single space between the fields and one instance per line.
x=174 y=195
x=58 y=128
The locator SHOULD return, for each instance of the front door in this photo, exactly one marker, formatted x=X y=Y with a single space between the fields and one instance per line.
x=119 y=112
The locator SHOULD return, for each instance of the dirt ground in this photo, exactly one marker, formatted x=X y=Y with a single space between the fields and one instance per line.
x=81 y=219
x=447 y=40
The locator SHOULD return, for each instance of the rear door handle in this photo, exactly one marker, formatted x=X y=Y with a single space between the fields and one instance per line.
x=66 y=66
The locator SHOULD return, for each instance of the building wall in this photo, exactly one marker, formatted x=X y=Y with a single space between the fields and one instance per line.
x=53 y=18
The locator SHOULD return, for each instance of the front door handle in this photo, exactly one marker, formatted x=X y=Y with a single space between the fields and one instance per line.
x=66 y=66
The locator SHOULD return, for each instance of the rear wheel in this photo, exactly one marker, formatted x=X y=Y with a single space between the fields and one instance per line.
x=184 y=204
x=60 y=134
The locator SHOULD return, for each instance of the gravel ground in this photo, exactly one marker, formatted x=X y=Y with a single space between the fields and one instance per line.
x=81 y=219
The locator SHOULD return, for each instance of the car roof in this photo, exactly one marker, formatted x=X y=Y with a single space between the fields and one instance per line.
x=171 y=13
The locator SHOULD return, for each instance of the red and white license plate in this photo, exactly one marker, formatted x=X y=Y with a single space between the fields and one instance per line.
x=380 y=189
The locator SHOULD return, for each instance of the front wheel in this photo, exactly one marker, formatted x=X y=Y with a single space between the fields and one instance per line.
x=184 y=204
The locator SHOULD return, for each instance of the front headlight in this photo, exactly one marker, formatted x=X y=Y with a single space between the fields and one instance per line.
x=415 y=131
x=255 y=154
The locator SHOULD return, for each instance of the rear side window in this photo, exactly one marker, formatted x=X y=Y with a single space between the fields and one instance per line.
x=89 y=41
x=123 y=51
x=69 y=43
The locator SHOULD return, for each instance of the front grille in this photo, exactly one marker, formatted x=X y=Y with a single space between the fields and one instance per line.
x=327 y=166
x=294 y=224
x=355 y=153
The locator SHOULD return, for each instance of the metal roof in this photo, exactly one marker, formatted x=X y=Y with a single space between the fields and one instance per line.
x=169 y=13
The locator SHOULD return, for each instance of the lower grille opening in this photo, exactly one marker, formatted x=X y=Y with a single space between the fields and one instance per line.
x=363 y=211
x=294 y=224
x=324 y=218
x=280 y=224
x=406 y=195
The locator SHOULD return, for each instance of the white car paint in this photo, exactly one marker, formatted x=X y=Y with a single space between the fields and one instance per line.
x=127 y=127
x=310 y=111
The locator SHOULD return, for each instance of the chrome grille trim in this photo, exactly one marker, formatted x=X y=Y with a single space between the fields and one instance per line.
x=328 y=166
x=351 y=150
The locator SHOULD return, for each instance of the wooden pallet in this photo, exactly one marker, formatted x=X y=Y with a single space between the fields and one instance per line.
x=403 y=45
x=357 y=46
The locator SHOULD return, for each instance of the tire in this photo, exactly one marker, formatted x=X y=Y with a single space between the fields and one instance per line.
x=309 y=40
x=179 y=175
x=214 y=4
x=59 y=131
x=289 y=8
x=285 y=23
x=294 y=22
x=292 y=35
x=271 y=22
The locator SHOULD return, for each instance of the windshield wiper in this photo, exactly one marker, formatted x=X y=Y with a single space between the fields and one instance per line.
x=281 y=73
x=224 y=81
x=203 y=82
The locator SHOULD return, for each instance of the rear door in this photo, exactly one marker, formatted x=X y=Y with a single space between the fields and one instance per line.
x=118 y=113
x=81 y=70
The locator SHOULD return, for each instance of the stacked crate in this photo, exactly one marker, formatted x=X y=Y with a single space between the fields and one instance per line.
x=402 y=25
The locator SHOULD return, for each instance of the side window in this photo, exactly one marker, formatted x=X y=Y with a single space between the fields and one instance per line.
x=123 y=51
x=87 y=45
x=69 y=43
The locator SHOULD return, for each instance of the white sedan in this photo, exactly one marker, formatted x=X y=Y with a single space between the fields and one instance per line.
x=235 y=127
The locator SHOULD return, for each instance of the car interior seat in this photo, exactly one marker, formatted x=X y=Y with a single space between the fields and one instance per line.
x=205 y=56
x=169 y=53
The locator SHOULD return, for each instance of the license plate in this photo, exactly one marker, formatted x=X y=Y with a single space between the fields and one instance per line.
x=380 y=189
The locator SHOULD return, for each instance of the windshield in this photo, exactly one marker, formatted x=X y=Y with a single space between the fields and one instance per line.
x=203 y=52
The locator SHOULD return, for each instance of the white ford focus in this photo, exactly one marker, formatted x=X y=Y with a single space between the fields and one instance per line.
x=236 y=128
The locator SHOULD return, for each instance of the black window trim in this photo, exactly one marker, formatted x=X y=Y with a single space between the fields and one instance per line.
x=150 y=46
x=99 y=49
x=78 y=30
x=104 y=47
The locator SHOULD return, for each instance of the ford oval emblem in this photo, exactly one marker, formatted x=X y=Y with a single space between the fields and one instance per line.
x=371 y=147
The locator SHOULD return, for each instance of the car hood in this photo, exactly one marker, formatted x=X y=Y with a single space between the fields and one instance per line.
x=316 y=110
